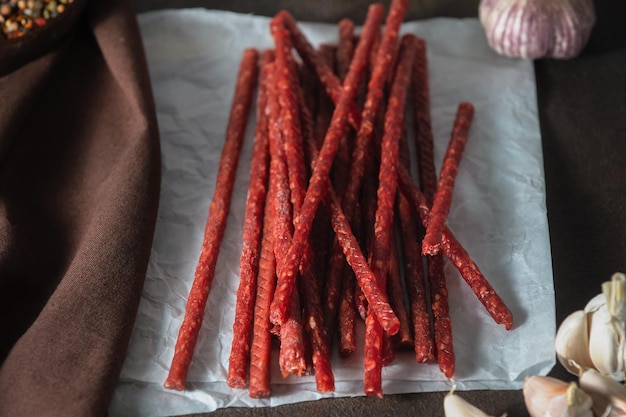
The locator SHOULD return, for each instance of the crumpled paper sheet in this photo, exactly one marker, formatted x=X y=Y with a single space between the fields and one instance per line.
x=498 y=213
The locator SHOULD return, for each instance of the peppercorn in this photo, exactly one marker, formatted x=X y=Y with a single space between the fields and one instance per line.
x=18 y=17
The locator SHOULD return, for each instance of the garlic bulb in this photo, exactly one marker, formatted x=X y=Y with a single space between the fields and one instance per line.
x=608 y=395
x=595 y=338
x=550 y=397
x=537 y=28
x=455 y=406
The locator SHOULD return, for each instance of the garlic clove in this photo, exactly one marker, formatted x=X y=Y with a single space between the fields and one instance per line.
x=575 y=403
x=595 y=303
x=538 y=391
x=571 y=343
x=592 y=381
x=537 y=28
x=550 y=397
x=606 y=343
x=455 y=406
x=617 y=408
x=608 y=395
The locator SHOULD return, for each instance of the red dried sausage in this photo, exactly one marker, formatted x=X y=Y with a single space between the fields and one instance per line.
x=251 y=239
x=319 y=179
x=314 y=316
x=423 y=343
x=459 y=257
x=414 y=279
x=311 y=57
x=260 y=352
x=423 y=131
x=216 y=222
x=442 y=325
x=286 y=84
x=375 y=295
x=387 y=178
x=395 y=292
x=291 y=355
x=375 y=90
x=449 y=169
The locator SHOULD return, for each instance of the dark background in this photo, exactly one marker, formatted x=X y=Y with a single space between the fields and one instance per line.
x=582 y=110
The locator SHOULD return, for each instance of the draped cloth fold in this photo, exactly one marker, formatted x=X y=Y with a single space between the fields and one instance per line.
x=79 y=190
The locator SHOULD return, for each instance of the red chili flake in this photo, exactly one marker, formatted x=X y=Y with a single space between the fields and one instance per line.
x=216 y=222
x=251 y=239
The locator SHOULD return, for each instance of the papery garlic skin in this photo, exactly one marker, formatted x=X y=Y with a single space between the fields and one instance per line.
x=455 y=406
x=550 y=397
x=537 y=28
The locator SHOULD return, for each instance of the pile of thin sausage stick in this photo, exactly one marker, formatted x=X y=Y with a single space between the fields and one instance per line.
x=336 y=230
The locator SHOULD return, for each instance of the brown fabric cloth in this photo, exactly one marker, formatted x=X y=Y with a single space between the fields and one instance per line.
x=79 y=189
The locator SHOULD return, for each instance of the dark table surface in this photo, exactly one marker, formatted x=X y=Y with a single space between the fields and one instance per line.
x=582 y=111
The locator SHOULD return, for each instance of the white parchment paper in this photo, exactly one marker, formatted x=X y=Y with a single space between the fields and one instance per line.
x=498 y=213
